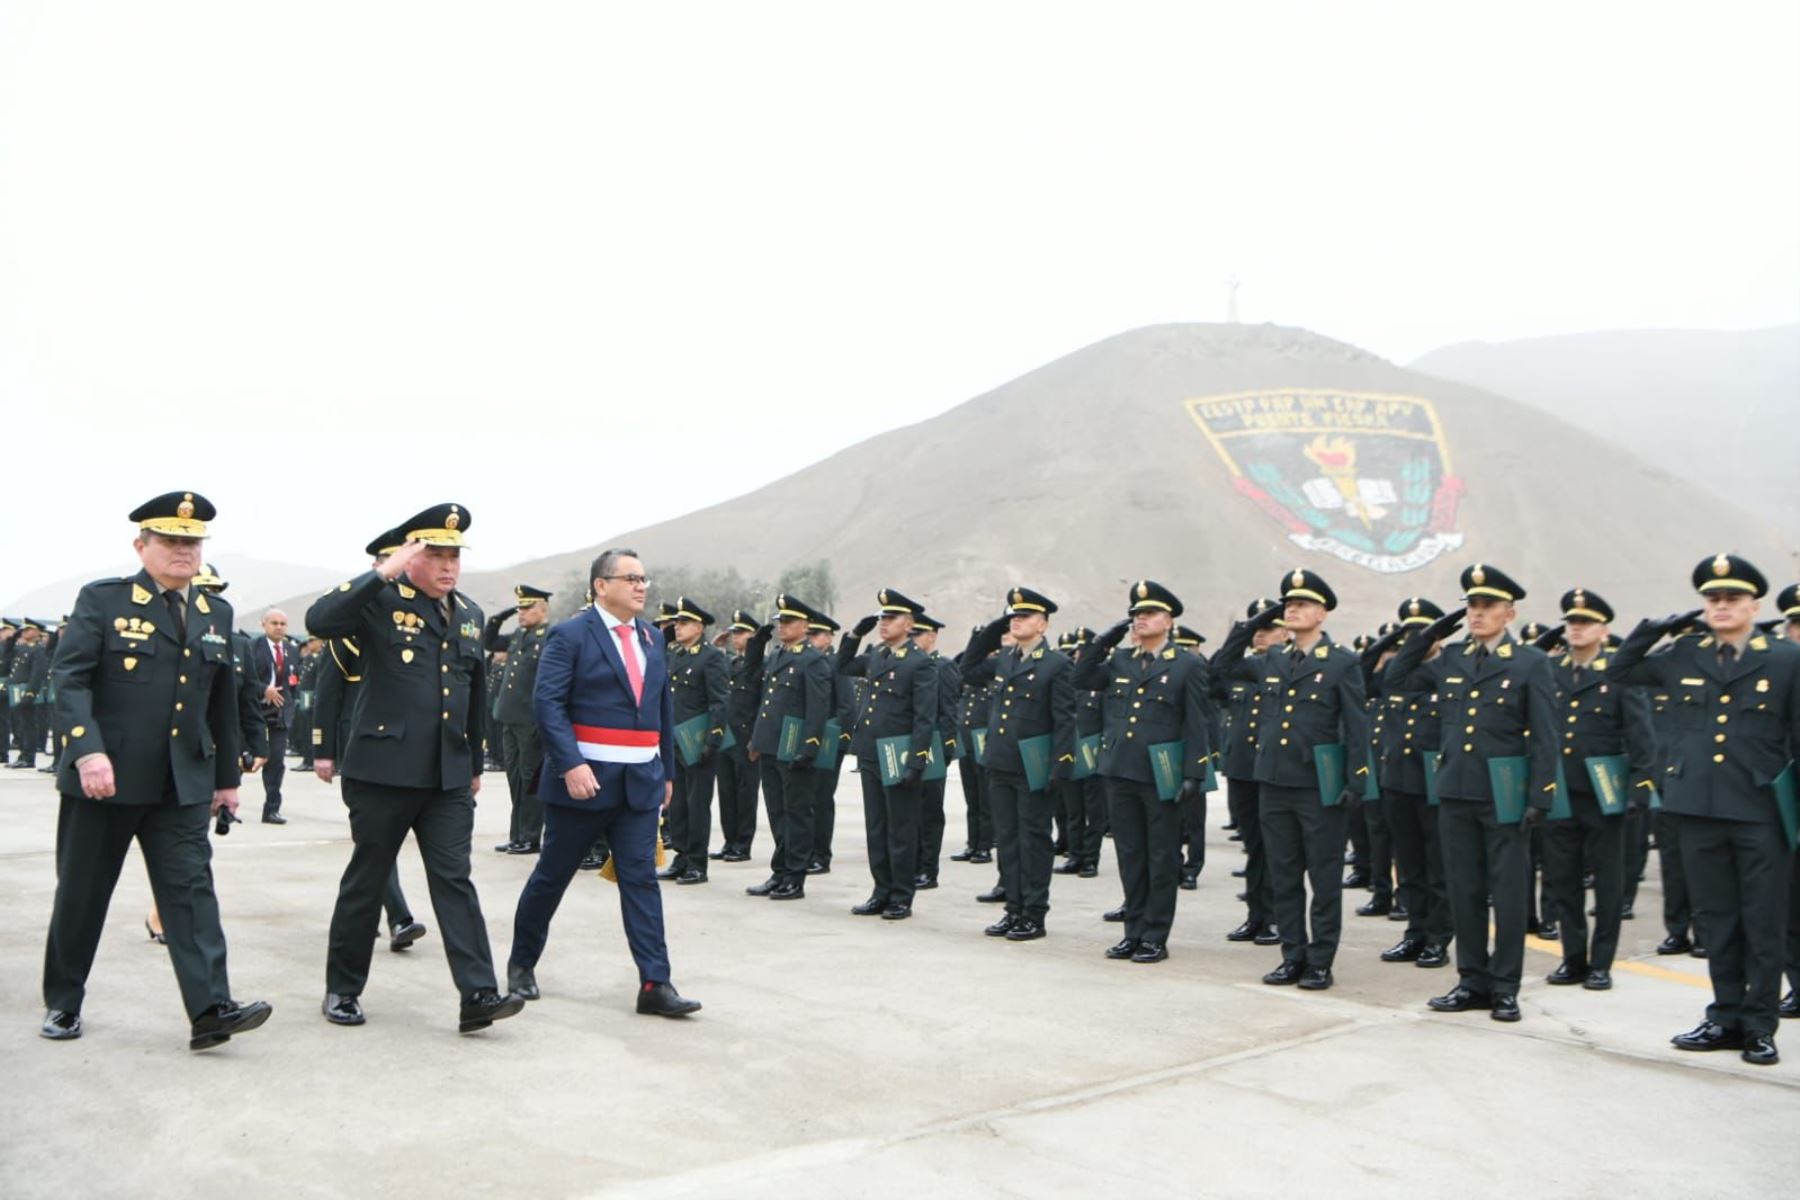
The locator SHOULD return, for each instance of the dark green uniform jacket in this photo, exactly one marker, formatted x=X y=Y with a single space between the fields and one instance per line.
x=1034 y=696
x=797 y=682
x=700 y=685
x=1150 y=699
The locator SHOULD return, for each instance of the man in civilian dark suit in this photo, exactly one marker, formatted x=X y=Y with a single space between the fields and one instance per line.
x=607 y=716
x=274 y=673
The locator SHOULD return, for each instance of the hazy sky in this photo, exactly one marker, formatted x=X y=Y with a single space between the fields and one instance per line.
x=582 y=266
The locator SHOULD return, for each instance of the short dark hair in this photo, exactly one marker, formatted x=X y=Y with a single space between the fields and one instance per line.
x=606 y=561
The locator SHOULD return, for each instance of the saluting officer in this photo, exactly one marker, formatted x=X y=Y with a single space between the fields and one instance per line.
x=1603 y=720
x=822 y=632
x=738 y=778
x=1156 y=697
x=25 y=688
x=145 y=689
x=1034 y=702
x=931 y=792
x=1193 y=809
x=1084 y=799
x=521 y=748
x=1735 y=734
x=1789 y=604
x=1312 y=698
x=414 y=758
x=1260 y=633
x=900 y=701
x=1497 y=700
x=700 y=687
x=796 y=686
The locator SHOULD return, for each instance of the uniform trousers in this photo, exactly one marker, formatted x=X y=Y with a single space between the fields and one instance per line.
x=1147 y=840
x=1304 y=842
x=1484 y=858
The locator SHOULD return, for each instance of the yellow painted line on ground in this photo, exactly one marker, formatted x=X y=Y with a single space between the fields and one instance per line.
x=1648 y=970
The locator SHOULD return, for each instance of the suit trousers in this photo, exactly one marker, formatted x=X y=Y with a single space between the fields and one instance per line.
x=275 y=770
x=1678 y=909
x=1589 y=840
x=979 y=812
x=1484 y=858
x=569 y=833
x=931 y=826
x=522 y=753
x=1738 y=875
x=1147 y=840
x=789 y=792
x=1304 y=840
x=1412 y=823
x=91 y=840
x=694 y=795
x=738 y=781
x=441 y=821
x=825 y=811
x=1022 y=841
x=891 y=821
x=1244 y=798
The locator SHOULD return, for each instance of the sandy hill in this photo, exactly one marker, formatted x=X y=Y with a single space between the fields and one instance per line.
x=1214 y=458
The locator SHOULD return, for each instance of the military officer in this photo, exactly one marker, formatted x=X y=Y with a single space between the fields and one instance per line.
x=738 y=778
x=1193 y=810
x=9 y=632
x=1084 y=799
x=25 y=688
x=1154 y=742
x=1604 y=720
x=971 y=710
x=822 y=633
x=1728 y=773
x=931 y=792
x=1251 y=640
x=334 y=700
x=1497 y=700
x=1409 y=736
x=899 y=702
x=1312 y=699
x=1789 y=604
x=698 y=677
x=306 y=699
x=786 y=740
x=1032 y=713
x=146 y=691
x=414 y=757
x=521 y=749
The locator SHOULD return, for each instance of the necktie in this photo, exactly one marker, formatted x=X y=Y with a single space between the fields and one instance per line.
x=1296 y=656
x=178 y=609
x=1726 y=654
x=633 y=672
x=280 y=663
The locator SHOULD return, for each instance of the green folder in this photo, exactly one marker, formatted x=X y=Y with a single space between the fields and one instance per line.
x=1510 y=778
x=1166 y=759
x=893 y=755
x=15 y=692
x=1087 y=756
x=978 y=739
x=1610 y=777
x=1559 y=806
x=303 y=701
x=1035 y=754
x=690 y=740
x=1787 y=803
x=1328 y=764
x=1432 y=759
x=833 y=740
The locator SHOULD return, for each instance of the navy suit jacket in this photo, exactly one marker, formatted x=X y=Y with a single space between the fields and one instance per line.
x=581 y=680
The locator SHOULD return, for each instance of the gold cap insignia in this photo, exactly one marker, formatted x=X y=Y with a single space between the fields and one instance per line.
x=883 y=597
x=1018 y=597
x=1413 y=608
x=1580 y=598
x=453 y=520
x=1478 y=576
x=1143 y=591
x=1297 y=578
x=1722 y=566
x=185 y=509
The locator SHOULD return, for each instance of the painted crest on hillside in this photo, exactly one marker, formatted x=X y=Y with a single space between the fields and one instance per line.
x=1359 y=475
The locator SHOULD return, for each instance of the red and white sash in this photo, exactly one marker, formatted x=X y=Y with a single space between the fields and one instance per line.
x=617 y=745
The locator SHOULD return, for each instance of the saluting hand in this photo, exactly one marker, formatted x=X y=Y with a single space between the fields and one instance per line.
x=395 y=564
x=864 y=627
x=1266 y=617
x=1444 y=626
x=1114 y=635
x=1674 y=621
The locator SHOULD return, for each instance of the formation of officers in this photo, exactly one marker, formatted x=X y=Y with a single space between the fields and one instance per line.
x=1454 y=767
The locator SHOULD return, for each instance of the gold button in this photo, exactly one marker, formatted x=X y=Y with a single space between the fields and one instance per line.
x=1570 y=736
x=1718 y=737
x=446 y=716
x=381 y=729
x=1134 y=720
x=1468 y=729
x=1475 y=694
x=1718 y=758
x=1723 y=718
x=1284 y=741
x=1467 y=748
x=178 y=706
x=1724 y=699
x=446 y=645
x=1289 y=708
x=446 y=691
x=187 y=654
x=1568 y=749
x=1137 y=704
x=1471 y=710
x=1409 y=737
x=1572 y=720
x=174 y=733
x=1284 y=724
x=1574 y=704
x=445 y=668
x=78 y=731
x=181 y=679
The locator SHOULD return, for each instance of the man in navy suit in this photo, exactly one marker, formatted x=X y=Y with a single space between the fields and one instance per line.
x=608 y=721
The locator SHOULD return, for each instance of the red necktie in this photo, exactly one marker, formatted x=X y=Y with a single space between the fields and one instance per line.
x=632 y=670
x=280 y=663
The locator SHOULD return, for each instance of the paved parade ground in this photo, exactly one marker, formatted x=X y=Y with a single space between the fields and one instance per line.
x=843 y=1057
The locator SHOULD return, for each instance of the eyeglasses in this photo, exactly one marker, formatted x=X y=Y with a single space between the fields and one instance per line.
x=633 y=580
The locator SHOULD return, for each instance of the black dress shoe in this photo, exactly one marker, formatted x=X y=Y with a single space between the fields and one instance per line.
x=735 y=856
x=483 y=1007
x=924 y=883
x=1759 y=1048
x=765 y=887
x=1398 y=912
x=981 y=856
x=1003 y=926
x=995 y=895
x=1240 y=872
x=1374 y=908
x=218 y=1023
x=692 y=876
x=1458 y=999
x=1435 y=954
x=1316 y=979
x=1123 y=948
x=1627 y=913
x=1598 y=981
x=717 y=855
x=819 y=868
x=1150 y=952
x=1708 y=1036
x=1236 y=837
x=522 y=982
x=274 y=819
x=662 y=1000
x=1675 y=943
x=1190 y=881
x=1071 y=867
x=505 y=847
x=1699 y=951
x=1357 y=879
x=1270 y=936
x=1405 y=950
x=789 y=889
x=404 y=935
x=525 y=848
x=1506 y=1008
x=962 y=855
x=674 y=870
x=896 y=912
x=1088 y=870
x=342 y=1010
x=874 y=906
x=1026 y=930
x=1567 y=973
x=1549 y=932
x=1115 y=915
x=1790 y=1004
x=1288 y=972
x=591 y=862
x=1243 y=933
x=60 y=1026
